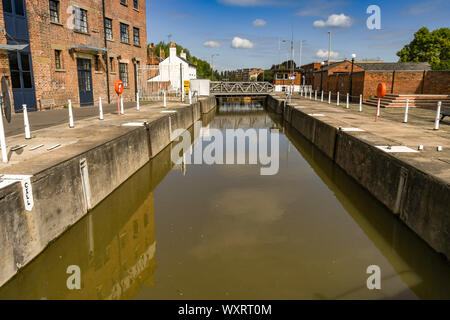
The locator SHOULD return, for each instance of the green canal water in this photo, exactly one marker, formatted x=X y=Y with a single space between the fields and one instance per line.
x=227 y=232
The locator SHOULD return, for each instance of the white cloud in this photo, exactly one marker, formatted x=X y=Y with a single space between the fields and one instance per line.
x=259 y=23
x=335 y=20
x=323 y=54
x=240 y=43
x=212 y=44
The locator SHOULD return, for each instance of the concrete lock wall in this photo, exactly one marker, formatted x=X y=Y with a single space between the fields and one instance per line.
x=421 y=200
x=62 y=196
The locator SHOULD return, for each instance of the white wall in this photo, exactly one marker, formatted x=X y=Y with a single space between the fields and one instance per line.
x=169 y=70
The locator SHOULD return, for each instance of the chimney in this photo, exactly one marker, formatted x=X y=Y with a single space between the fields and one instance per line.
x=173 y=49
x=183 y=54
x=162 y=53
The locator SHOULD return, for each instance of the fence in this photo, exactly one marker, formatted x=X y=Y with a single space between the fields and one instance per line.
x=437 y=113
x=155 y=82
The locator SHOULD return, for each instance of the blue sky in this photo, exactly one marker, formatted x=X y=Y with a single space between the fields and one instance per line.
x=257 y=25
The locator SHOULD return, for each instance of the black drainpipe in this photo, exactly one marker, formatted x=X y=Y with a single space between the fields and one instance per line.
x=106 y=53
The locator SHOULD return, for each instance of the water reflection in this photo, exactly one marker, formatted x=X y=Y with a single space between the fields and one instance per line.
x=226 y=232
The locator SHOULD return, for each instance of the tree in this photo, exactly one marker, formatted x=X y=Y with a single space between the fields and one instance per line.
x=432 y=47
x=267 y=76
x=203 y=67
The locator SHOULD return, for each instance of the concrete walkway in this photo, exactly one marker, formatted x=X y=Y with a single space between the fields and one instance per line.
x=45 y=119
x=51 y=128
x=390 y=131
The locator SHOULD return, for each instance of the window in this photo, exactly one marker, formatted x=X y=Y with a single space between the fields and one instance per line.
x=97 y=63
x=81 y=20
x=58 y=60
x=108 y=29
x=54 y=11
x=7 y=6
x=19 y=7
x=136 y=4
x=18 y=74
x=124 y=2
x=124 y=33
x=123 y=74
x=136 y=39
x=111 y=65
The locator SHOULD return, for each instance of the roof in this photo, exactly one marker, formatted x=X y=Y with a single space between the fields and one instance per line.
x=332 y=65
x=287 y=70
x=189 y=63
x=400 y=66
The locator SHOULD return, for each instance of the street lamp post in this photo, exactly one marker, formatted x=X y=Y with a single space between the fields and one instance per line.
x=212 y=64
x=351 y=75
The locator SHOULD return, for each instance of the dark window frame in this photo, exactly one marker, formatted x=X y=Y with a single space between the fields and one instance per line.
x=136 y=36
x=124 y=33
x=97 y=64
x=123 y=74
x=109 y=29
x=54 y=6
x=81 y=23
x=136 y=4
x=7 y=6
x=58 y=60
x=112 y=65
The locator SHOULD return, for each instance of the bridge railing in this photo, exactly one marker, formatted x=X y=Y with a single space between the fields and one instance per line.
x=225 y=87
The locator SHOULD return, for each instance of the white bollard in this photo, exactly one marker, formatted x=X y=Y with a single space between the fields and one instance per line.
x=337 y=100
x=165 y=100
x=122 y=110
x=2 y=133
x=138 y=103
x=26 y=122
x=321 y=97
x=438 y=116
x=329 y=97
x=360 y=103
x=310 y=94
x=190 y=96
x=348 y=101
x=71 y=125
x=315 y=95
x=406 y=111
x=100 y=108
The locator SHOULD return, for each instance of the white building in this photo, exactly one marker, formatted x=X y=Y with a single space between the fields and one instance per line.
x=169 y=70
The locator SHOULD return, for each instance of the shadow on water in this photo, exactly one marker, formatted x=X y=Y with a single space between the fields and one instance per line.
x=114 y=245
x=424 y=271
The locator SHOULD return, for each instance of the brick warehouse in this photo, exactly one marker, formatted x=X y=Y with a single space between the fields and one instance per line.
x=400 y=78
x=74 y=49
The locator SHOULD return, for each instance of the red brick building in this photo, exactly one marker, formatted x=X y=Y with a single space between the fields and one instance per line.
x=74 y=49
x=308 y=72
x=287 y=76
x=400 y=78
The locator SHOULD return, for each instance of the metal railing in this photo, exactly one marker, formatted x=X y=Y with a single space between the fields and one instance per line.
x=241 y=87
